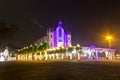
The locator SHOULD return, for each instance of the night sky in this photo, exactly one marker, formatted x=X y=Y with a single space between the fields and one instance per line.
x=87 y=20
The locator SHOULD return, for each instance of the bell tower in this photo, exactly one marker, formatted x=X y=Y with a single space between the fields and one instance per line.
x=60 y=34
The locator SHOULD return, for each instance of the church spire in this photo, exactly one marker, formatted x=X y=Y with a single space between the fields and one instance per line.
x=60 y=23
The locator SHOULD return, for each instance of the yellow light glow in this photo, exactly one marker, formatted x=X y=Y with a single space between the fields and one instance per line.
x=108 y=37
x=62 y=46
x=78 y=45
x=70 y=45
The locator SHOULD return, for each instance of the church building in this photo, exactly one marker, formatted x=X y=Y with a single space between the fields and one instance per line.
x=59 y=38
x=56 y=37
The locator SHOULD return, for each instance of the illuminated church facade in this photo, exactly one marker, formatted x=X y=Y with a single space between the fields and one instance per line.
x=57 y=37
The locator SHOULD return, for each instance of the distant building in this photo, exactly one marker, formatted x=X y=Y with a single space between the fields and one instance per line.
x=56 y=37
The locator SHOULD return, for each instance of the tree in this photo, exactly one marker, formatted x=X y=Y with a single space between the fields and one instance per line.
x=62 y=51
x=7 y=32
x=44 y=47
x=78 y=49
x=70 y=49
x=33 y=49
x=39 y=48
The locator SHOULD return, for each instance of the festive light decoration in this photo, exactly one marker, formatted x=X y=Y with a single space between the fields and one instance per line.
x=4 y=55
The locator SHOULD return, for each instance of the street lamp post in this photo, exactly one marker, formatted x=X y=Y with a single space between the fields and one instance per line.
x=109 y=39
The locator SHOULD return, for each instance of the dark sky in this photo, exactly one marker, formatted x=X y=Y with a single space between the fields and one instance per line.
x=88 y=20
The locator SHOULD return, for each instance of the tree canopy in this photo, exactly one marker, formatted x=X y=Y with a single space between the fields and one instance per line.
x=7 y=32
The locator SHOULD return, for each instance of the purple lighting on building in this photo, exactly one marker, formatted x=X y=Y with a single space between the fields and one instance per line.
x=92 y=47
x=60 y=37
x=55 y=39
x=65 y=40
x=60 y=23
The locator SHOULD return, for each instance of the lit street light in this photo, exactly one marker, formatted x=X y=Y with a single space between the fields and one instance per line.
x=109 y=39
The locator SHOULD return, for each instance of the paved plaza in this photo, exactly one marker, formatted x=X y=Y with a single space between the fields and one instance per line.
x=60 y=70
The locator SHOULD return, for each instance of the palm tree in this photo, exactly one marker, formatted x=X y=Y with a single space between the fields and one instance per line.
x=70 y=49
x=52 y=52
x=33 y=51
x=42 y=47
x=39 y=50
x=45 y=46
x=62 y=51
x=78 y=49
